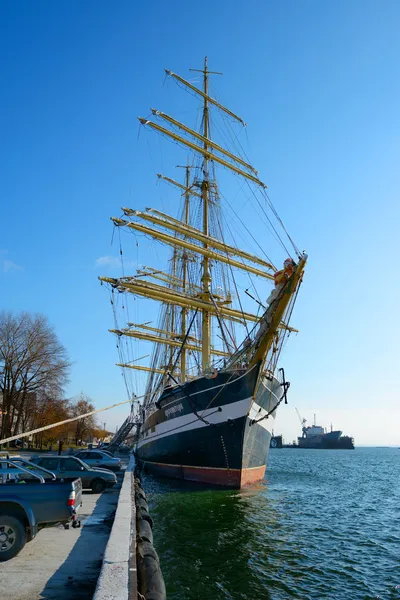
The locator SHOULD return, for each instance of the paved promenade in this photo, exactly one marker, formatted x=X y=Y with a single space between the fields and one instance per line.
x=64 y=564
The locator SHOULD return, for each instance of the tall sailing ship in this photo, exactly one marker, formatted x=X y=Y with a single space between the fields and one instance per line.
x=213 y=385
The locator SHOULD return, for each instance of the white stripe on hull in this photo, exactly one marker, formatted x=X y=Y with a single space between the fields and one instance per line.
x=257 y=413
x=190 y=421
x=235 y=410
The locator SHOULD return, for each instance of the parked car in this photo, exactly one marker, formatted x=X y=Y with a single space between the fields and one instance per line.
x=98 y=458
x=70 y=467
x=107 y=452
x=16 y=444
x=30 y=500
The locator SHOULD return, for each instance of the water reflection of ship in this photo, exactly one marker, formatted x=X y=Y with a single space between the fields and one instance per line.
x=216 y=532
x=315 y=436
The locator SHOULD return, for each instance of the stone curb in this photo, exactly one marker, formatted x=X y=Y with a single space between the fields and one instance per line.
x=117 y=579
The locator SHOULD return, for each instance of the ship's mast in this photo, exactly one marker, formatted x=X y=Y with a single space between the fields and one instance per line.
x=206 y=277
x=172 y=308
x=184 y=275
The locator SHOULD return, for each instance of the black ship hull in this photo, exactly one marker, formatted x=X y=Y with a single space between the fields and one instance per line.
x=328 y=441
x=276 y=441
x=212 y=430
x=324 y=443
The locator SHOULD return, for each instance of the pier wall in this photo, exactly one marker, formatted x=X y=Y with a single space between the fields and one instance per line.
x=118 y=578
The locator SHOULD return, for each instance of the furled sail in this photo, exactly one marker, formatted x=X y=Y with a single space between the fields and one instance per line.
x=206 y=322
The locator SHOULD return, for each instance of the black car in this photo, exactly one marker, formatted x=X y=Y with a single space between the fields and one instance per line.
x=70 y=467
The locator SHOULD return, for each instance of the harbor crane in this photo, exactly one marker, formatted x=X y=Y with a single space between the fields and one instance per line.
x=302 y=421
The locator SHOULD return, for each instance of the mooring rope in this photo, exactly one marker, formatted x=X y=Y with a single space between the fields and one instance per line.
x=45 y=427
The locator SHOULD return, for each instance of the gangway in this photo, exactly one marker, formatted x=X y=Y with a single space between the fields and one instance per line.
x=122 y=432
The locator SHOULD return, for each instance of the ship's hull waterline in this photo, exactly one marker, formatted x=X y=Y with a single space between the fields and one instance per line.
x=211 y=430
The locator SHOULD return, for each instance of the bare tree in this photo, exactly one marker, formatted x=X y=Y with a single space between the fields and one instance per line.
x=87 y=425
x=33 y=364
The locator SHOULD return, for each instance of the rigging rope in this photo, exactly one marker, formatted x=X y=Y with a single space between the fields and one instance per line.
x=236 y=214
x=222 y=323
x=190 y=402
x=281 y=222
x=237 y=294
x=184 y=341
x=65 y=421
x=278 y=237
x=118 y=344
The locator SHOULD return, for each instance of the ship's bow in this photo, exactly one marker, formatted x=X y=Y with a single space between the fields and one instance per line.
x=258 y=430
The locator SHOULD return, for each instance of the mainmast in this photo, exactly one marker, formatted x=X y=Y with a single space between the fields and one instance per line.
x=206 y=279
x=205 y=186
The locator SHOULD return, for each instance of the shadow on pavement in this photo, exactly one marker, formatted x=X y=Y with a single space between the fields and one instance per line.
x=77 y=577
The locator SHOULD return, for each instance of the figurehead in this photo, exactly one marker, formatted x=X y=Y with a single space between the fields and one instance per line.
x=280 y=277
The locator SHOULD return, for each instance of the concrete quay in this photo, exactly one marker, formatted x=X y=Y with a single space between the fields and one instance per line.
x=100 y=560
x=93 y=561
x=61 y=564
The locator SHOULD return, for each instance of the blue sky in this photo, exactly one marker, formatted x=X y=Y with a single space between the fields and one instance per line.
x=317 y=83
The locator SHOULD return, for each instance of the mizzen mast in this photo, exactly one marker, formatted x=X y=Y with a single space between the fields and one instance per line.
x=184 y=310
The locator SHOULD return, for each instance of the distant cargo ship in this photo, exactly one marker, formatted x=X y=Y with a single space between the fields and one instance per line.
x=315 y=436
x=276 y=441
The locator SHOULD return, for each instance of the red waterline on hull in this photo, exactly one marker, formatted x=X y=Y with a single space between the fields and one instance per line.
x=234 y=478
x=250 y=476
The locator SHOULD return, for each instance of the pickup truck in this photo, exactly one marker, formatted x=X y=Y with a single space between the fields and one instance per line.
x=31 y=498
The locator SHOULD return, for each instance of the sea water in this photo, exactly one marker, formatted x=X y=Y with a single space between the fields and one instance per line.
x=325 y=524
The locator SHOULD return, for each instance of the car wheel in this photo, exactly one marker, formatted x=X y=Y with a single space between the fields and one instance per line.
x=12 y=537
x=98 y=486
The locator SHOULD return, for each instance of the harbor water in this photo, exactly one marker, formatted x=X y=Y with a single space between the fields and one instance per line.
x=323 y=525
